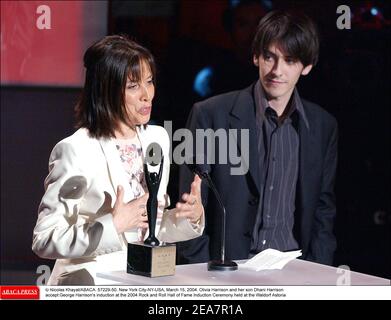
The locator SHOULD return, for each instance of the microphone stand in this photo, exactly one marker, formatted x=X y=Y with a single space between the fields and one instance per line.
x=222 y=264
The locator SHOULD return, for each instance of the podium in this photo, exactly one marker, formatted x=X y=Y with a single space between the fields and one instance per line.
x=296 y=272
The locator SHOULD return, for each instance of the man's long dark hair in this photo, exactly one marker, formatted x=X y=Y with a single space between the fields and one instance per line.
x=294 y=32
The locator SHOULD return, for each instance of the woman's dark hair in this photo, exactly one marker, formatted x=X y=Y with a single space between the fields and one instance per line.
x=294 y=32
x=109 y=63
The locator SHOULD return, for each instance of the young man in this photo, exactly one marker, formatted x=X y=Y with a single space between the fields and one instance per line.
x=286 y=199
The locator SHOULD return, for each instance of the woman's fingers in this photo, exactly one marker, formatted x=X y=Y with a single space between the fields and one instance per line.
x=142 y=225
x=132 y=214
x=184 y=214
x=192 y=206
x=139 y=204
x=196 y=186
x=143 y=217
x=120 y=195
x=185 y=211
x=183 y=207
x=188 y=198
x=143 y=199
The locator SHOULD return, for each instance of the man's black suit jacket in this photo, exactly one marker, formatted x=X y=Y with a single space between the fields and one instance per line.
x=315 y=200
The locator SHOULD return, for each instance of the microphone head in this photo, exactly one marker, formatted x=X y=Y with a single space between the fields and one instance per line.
x=199 y=170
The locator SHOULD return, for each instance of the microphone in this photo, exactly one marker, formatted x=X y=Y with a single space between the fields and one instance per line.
x=221 y=264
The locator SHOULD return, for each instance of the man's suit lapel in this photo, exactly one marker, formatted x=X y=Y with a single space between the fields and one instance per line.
x=307 y=167
x=242 y=116
x=307 y=147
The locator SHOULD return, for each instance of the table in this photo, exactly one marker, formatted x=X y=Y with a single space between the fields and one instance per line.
x=296 y=272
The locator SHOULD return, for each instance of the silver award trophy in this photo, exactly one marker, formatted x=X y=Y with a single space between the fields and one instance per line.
x=150 y=258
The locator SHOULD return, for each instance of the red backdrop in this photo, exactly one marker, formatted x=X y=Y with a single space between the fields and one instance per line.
x=30 y=56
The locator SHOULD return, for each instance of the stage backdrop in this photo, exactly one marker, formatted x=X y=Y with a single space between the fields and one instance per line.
x=41 y=78
x=42 y=42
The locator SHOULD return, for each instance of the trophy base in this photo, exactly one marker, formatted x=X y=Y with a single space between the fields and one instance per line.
x=218 y=265
x=151 y=261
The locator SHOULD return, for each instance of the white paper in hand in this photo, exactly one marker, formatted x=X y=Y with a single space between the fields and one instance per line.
x=270 y=259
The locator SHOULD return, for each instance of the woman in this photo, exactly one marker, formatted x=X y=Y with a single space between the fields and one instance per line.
x=95 y=199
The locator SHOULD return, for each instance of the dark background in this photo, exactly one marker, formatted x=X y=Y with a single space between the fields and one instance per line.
x=209 y=40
